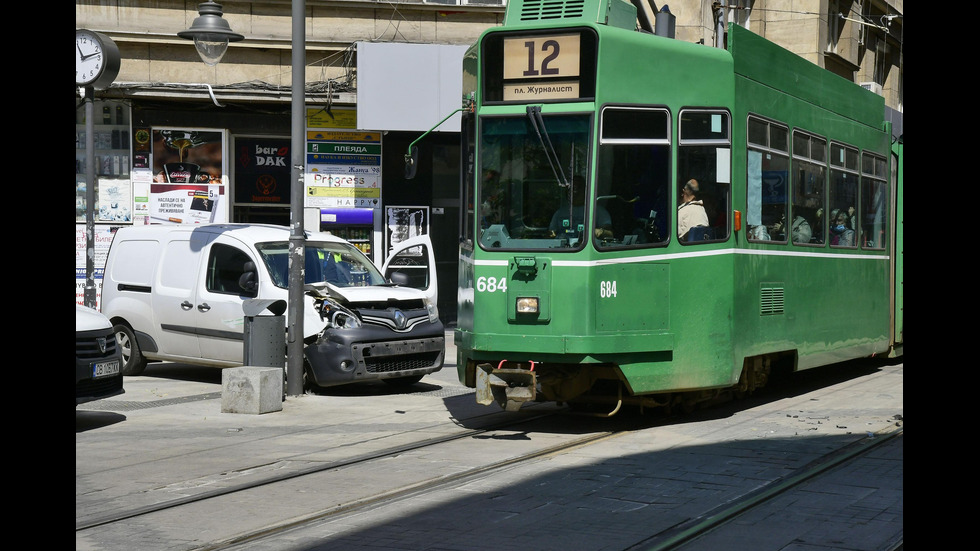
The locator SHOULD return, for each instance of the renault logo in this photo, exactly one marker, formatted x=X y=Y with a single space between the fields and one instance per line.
x=400 y=320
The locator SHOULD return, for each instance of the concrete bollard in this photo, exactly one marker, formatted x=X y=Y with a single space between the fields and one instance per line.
x=249 y=389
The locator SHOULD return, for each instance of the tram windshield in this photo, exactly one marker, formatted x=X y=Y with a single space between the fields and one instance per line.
x=533 y=185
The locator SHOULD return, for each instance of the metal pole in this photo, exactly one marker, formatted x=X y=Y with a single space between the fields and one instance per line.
x=90 y=294
x=722 y=24
x=297 y=241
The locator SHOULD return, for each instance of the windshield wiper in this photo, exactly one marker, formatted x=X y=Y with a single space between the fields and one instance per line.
x=537 y=121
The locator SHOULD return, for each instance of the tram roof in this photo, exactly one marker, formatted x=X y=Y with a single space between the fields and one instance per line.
x=762 y=61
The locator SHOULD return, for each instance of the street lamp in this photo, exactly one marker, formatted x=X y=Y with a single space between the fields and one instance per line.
x=210 y=33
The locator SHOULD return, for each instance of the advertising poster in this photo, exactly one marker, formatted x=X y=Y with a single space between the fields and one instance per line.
x=187 y=177
x=142 y=180
x=343 y=169
x=403 y=223
x=111 y=200
x=262 y=171
x=184 y=203
x=114 y=203
x=102 y=239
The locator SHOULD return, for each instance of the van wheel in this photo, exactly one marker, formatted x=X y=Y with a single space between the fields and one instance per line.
x=403 y=381
x=133 y=361
x=309 y=387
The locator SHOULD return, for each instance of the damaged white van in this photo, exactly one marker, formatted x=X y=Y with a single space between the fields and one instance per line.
x=175 y=293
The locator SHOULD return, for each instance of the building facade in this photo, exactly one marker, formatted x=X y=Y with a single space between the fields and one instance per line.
x=172 y=134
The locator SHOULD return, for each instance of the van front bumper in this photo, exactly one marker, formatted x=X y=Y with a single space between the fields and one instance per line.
x=370 y=353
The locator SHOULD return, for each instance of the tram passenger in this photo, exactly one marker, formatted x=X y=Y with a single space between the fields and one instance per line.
x=840 y=234
x=603 y=221
x=760 y=233
x=777 y=230
x=691 y=211
x=801 y=230
x=818 y=227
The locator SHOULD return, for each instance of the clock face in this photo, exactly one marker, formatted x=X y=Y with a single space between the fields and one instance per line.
x=89 y=58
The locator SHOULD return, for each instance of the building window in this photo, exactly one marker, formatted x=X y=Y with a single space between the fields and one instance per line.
x=835 y=25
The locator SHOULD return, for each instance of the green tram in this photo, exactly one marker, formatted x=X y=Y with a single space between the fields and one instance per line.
x=653 y=222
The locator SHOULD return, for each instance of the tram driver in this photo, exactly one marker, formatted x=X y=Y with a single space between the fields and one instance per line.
x=603 y=222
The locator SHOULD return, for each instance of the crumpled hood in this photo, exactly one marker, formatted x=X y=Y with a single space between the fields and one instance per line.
x=355 y=295
x=373 y=294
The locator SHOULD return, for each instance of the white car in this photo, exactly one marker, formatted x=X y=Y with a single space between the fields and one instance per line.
x=98 y=358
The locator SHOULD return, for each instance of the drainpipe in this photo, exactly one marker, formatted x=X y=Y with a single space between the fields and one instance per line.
x=720 y=11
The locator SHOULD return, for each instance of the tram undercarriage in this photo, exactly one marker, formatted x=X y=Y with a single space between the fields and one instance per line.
x=586 y=388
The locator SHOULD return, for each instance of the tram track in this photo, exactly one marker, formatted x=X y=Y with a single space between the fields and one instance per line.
x=299 y=473
x=410 y=491
x=496 y=431
x=685 y=536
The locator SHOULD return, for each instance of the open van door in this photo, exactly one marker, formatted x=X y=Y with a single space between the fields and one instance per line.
x=415 y=259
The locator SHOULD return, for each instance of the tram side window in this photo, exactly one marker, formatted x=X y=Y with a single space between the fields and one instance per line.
x=841 y=219
x=809 y=188
x=633 y=177
x=767 y=180
x=874 y=198
x=704 y=155
x=467 y=130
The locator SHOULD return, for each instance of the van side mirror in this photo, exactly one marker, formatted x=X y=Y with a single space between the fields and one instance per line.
x=249 y=280
x=399 y=278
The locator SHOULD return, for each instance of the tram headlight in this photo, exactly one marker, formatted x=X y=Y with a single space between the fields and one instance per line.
x=527 y=305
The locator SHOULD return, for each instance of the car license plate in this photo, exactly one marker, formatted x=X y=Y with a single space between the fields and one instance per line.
x=105 y=369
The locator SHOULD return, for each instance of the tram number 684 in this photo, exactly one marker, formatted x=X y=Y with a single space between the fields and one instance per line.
x=491 y=284
x=607 y=289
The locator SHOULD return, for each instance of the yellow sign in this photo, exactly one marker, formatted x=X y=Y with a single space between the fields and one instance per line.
x=341 y=136
x=337 y=117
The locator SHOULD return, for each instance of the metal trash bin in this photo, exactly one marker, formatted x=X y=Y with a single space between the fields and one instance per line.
x=265 y=333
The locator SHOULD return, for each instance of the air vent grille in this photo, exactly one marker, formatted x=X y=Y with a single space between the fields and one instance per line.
x=538 y=10
x=771 y=300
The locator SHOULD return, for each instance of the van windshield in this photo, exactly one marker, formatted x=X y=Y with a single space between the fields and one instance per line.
x=339 y=264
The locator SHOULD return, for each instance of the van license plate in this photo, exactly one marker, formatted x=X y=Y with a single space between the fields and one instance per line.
x=105 y=369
